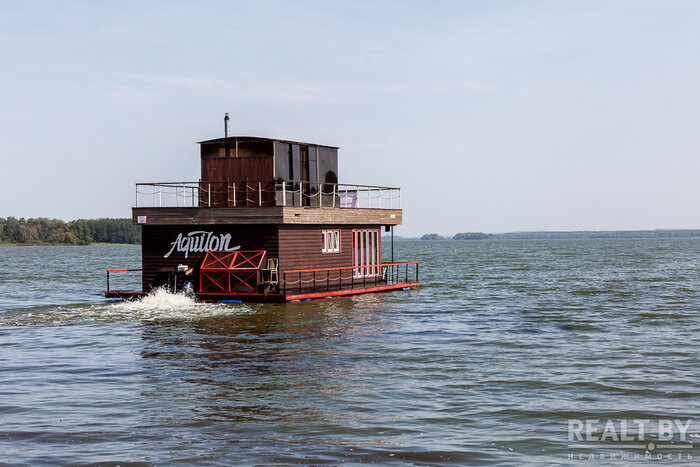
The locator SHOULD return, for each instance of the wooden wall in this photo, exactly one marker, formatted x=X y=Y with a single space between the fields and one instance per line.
x=221 y=169
x=157 y=242
x=236 y=169
x=296 y=246
x=301 y=246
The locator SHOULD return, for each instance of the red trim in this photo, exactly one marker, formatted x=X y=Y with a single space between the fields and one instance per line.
x=351 y=292
x=213 y=282
x=350 y=267
x=249 y=260
x=239 y=268
x=366 y=234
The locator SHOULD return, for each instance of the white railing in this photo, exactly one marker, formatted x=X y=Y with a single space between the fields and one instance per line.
x=176 y=194
x=249 y=193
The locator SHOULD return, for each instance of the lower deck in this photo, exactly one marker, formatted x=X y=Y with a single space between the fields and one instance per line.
x=296 y=285
x=266 y=262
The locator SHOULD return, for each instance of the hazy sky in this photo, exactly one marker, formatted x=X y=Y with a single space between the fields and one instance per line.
x=491 y=116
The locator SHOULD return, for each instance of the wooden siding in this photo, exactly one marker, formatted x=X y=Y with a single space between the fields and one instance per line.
x=356 y=216
x=221 y=169
x=157 y=241
x=300 y=247
x=268 y=215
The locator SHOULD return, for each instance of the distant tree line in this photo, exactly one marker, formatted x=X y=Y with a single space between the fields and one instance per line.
x=680 y=233
x=471 y=236
x=57 y=232
x=459 y=236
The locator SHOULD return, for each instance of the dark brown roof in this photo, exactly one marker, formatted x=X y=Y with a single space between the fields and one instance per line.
x=232 y=139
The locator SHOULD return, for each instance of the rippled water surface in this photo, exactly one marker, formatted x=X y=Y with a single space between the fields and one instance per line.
x=486 y=363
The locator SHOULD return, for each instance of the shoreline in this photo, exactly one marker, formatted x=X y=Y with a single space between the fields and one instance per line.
x=4 y=244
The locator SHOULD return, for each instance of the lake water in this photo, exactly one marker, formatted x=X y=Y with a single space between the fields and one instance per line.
x=488 y=362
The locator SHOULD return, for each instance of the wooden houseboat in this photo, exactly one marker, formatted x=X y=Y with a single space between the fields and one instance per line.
x=267 y=221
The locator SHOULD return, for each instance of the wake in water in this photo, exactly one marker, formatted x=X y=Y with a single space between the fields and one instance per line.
x=160 y=305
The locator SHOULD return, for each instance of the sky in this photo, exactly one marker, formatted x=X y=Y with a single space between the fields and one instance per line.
x=491 y=116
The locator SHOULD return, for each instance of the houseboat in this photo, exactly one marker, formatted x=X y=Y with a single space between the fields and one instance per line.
x=267 y=221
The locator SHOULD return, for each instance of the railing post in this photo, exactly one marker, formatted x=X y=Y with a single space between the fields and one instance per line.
x=259 y=193
x=234 y=194
x=284 y=193
x=160 y=197
x=320 y=196
x=228 y=193
x=209 y=196
x=334 y=188
x=107 y=280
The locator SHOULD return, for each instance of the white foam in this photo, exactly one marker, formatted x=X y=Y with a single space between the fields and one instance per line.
x=163 y=305
x=160 y=305
x=161 y=299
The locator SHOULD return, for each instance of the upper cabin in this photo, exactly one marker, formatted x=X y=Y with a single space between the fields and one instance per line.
x=310 y=169
x=239 y=157
x=255 y=172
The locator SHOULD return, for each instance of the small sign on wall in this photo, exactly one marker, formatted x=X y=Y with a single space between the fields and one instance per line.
x=141 y=219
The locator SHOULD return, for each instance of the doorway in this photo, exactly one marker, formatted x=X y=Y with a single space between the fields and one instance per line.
x=366 y=252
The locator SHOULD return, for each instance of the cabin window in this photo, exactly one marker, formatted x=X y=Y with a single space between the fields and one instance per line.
x=366 y=253
x=331 y=241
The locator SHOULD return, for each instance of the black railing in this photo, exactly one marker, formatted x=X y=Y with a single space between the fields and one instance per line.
x=118 y=270
x=326 y=280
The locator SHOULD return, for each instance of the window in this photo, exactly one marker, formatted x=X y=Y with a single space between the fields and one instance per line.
x=331 y=241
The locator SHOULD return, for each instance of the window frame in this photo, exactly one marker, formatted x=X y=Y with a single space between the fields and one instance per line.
x=331 y=241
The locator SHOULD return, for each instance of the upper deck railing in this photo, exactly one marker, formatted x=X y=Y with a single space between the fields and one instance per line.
x=250 y=193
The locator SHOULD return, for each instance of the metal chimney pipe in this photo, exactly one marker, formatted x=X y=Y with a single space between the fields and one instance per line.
x=226 y=125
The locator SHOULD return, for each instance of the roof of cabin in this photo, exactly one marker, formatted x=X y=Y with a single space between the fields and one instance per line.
x=233 y=139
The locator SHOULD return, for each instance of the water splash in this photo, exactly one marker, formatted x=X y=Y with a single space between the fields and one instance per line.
x=161 y=299
x=163 y=304
x=160 y=305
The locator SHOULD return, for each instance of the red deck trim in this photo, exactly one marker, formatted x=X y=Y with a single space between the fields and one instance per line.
x=291 y=271
x=351 y=291
x=215 y=296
